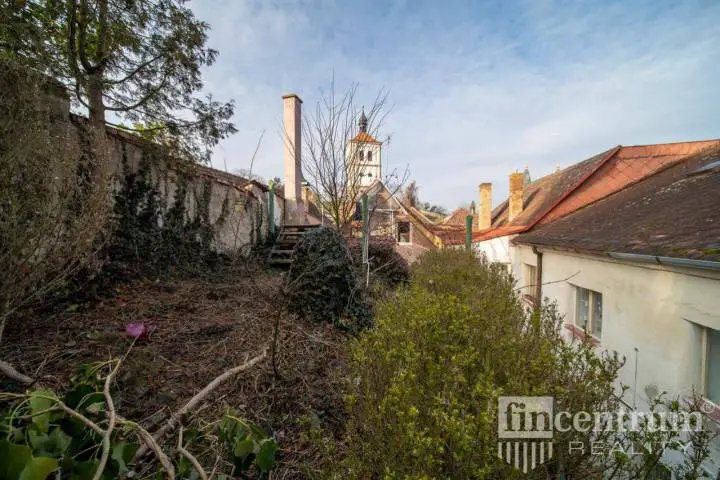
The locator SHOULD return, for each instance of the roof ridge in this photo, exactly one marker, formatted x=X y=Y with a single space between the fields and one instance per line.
x=608 y=155
x=684 y=159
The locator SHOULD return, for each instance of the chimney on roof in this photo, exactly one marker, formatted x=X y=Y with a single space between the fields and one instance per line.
x=515 y=201
x=485 y=206
x=293 y=172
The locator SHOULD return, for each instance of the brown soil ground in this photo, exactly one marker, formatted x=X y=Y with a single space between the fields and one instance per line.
x=199 y=329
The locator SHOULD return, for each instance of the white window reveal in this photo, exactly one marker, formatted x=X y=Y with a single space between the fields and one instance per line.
x=589 y=311
x=530 y=279
x=711 y=364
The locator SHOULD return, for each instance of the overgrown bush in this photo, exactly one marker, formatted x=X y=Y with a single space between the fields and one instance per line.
x=321 y=283
x=155 y=234
x=53 y=190
x=425 y=381
x=387 y=267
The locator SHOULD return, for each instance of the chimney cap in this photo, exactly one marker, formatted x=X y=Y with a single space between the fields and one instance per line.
x=291 y=95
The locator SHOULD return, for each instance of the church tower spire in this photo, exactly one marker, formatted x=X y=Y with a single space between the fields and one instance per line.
x=363 y=121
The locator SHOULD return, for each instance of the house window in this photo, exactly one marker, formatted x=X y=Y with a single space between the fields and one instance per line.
x=369 y=156
x=530 y=279
x=403 y=232
x=361 y=154
x=711 y=364
x=589 y=311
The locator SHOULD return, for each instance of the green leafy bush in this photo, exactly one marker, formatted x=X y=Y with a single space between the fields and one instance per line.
x=247 y=444
x=444 y=348
x=426 y=381
x=321 y=283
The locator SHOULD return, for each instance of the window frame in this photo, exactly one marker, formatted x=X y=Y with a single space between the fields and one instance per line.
x=588 y=328
x=409 y=232
x=705 y=365
x=531 y=289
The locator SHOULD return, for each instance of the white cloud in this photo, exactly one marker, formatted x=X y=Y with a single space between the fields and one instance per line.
x=476 y=97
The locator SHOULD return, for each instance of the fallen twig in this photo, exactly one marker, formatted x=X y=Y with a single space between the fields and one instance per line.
x=10 y=372
x=200 y=396
x=149 y=442
x=112 y=418
x=190 y=456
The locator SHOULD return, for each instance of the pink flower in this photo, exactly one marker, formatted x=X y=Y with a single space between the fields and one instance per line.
x=136 y=329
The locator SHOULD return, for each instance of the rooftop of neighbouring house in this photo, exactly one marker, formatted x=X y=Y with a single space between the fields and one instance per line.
x=563 y=192
x=672 y=212
x=457 y=218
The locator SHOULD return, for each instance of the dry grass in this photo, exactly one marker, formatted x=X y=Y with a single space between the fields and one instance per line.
x=199 y=329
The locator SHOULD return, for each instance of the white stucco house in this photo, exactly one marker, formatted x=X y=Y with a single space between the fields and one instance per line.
x=639 y=272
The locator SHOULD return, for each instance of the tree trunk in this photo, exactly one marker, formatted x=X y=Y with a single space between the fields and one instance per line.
x=95 y=98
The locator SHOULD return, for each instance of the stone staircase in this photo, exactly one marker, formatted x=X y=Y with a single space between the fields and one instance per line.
x=281 y=253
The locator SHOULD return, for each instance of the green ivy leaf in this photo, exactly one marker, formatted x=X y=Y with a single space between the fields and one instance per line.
x=38 y=441
x=265 y=459
x=76 y=395
x=123 y=453
x=38 y=468
x=38 y=404
x=84 y=470
x=59 y=441
x=96 y=408
x=244 y=448
x=17 y=457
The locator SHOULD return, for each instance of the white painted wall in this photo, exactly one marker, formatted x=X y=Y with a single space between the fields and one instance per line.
x=651 y=308
x=368 y=171
x=496 y=249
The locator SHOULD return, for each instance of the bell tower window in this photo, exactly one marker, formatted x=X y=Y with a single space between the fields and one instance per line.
x=369 y=156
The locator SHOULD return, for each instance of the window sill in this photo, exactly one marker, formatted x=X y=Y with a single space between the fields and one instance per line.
x=579 y=334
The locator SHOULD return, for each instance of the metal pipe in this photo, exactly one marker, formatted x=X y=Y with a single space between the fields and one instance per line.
x=538 y=277
x=672 y=261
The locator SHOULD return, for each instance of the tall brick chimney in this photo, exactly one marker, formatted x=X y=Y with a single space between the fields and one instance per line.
x=292 y=122
x=485 y=206
x=515 y=201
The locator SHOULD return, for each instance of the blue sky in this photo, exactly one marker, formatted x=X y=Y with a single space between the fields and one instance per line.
x=479 y=88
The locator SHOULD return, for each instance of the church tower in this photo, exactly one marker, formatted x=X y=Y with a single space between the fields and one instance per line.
x=363 y=155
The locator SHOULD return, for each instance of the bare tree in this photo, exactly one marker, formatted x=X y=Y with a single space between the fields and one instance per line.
x=410 y=195
x=53 y=198
x=332 y=144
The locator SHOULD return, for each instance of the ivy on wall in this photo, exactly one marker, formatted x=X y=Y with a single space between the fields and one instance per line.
x=155 y=232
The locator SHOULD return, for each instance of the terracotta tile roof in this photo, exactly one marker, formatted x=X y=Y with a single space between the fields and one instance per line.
x=674 y=212
x=627 y=166
x=561 y=193
x=364 y=137
x=457 y=218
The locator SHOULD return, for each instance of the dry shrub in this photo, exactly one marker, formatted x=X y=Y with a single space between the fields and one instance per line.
x=387 y=267
x=53 y=190
x=322 y=285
